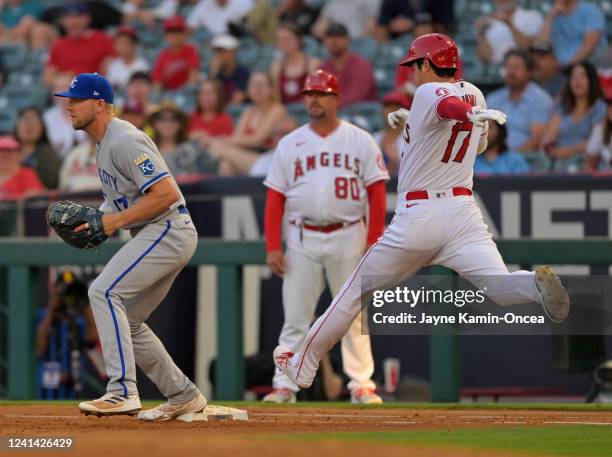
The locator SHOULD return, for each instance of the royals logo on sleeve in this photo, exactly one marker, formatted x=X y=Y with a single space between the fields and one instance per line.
x=144 y=163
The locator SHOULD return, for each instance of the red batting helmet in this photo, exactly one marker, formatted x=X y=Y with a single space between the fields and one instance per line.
x=440 y=49
x=322 y=81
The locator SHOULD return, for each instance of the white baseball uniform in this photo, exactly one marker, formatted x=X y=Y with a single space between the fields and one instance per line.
x=437 y=221
x=324 y=181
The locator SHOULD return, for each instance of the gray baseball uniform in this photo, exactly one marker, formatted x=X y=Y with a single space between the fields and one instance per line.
x=139 y=276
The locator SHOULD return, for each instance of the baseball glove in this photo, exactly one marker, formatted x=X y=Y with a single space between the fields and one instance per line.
x=65 y=216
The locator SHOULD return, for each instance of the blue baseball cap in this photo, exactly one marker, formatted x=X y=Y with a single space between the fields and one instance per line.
x=89 y=85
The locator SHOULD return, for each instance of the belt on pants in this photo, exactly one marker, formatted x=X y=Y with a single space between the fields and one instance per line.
x=183 y=210
x=325 y=228
x=425 y=195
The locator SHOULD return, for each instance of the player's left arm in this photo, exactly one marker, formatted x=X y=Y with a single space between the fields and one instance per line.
x=453 y=108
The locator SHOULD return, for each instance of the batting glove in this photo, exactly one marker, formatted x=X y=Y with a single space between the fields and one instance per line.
x=478 y=116
x=398 y=117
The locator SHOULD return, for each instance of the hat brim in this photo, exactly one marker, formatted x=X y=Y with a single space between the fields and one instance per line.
x=407 y=62
x=68 y=94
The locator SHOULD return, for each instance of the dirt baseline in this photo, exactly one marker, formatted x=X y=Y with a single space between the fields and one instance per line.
x=260 y=436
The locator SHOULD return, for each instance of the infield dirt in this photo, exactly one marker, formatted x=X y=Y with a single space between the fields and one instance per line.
x=270 y=431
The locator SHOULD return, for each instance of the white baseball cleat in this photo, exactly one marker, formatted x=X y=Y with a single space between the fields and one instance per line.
x=283 y=395
x=111 y=404
x=365 y=396
x=555 y=299
x=168 y=411
x=282 y=359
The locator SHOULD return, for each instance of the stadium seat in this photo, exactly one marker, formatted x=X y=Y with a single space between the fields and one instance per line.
x=150 y=37
x=366 y=47
x=19 y=97
x=389 y=54
x=371 y=112
x=249 y=53
x=150 y=54
x=235 y=112
x=264 y=58
x=538 y=162
x=7 y=116
x=313 y=47
x=13 y=56
x=385 y=77
x=298 y=112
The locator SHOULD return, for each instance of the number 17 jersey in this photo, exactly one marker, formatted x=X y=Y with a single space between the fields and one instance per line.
x=439 y=153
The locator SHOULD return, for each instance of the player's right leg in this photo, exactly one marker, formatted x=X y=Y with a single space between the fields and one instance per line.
x=302 y=286
x=409 y=243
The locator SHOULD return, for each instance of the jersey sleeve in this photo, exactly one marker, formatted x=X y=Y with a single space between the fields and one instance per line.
x=426 y=100
x=137 y=159
x=277 y=177
x=374 y=168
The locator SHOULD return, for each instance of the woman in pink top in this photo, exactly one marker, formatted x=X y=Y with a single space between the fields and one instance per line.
x=209 y=119
x=290 y=70
x=254 y=133
x=16 y=181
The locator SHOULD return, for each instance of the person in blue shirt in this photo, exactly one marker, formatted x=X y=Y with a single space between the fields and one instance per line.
x=19 y=24
x=577 y=31
x=527 y=105
x=580 y=109
x=497 y=158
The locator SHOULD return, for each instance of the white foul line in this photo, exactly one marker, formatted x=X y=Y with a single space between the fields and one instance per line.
x=578 y=423
x=33 y=416
x=357 y=416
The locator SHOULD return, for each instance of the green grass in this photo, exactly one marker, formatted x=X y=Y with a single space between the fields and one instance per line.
x=346 y=405
x=565 y=440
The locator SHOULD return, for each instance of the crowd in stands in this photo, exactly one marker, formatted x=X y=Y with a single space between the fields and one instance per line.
x=217 y=83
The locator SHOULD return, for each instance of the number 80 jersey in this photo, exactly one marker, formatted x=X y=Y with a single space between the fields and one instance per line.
x=439 y=153
x=324 y=179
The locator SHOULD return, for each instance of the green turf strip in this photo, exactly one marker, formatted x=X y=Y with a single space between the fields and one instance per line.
x=347 y=405
x=562 y=440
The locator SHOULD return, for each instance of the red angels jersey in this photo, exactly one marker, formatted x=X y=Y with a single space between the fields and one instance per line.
x=439 y=153
x=324 y=179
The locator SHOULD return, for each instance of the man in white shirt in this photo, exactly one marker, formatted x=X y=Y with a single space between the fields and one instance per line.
x=358 y=16
x=509 y=27
x=126 y=62
x=215 y=15
x=59 y=126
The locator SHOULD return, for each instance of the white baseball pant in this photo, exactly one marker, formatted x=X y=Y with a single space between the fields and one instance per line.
x=447 y=231
x=312 y=259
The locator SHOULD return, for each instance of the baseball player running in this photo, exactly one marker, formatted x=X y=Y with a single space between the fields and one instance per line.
x=140 y=195
x=323 y=174
x=437 y=221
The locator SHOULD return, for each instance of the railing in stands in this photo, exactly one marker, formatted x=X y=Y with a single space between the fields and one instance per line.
x=23 y=259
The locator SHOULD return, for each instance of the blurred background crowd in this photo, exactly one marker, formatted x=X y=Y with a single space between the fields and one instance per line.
x=216 y=83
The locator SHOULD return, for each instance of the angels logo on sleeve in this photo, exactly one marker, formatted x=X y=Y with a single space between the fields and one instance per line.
x=442 y=91
x=144 y=163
